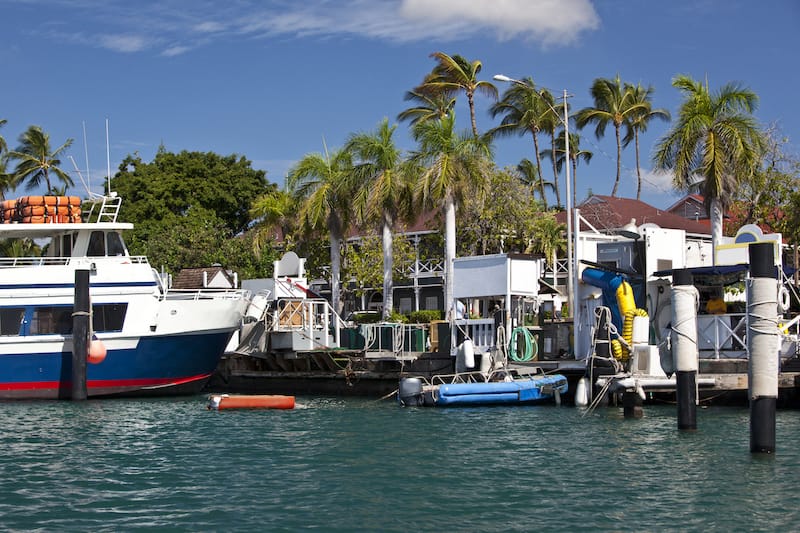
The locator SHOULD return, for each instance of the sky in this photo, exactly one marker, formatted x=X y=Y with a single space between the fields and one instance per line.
x=274 y=80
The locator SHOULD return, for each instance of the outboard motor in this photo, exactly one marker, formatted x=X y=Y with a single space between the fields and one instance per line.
x=410 y=392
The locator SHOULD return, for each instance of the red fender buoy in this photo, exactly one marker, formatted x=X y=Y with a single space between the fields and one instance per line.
x=97 y=352
x=257 y=401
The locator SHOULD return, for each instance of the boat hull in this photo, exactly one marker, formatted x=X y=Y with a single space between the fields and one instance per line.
x=154 y=365
x=539 y=389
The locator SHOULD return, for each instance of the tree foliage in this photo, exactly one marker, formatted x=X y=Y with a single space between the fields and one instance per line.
x=189 y=208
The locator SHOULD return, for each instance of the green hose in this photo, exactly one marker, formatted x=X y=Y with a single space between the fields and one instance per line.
x=531 y=348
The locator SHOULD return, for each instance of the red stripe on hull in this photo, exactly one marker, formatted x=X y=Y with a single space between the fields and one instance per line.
x=128 y=387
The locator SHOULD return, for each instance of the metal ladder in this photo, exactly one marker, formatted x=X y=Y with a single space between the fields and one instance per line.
x=109 y=209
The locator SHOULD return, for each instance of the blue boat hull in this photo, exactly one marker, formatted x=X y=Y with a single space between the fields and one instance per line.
x=158 y=365
x=521 y=391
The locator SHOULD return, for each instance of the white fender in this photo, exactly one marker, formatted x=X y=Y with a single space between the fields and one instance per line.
x=469 y=353
x=582 y=392
x=784 y=299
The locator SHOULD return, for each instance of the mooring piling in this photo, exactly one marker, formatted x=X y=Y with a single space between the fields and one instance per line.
x=762 y=345
x=80 y=334
x=684 y=346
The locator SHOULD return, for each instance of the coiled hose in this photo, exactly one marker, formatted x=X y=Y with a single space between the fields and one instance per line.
x=531 y=349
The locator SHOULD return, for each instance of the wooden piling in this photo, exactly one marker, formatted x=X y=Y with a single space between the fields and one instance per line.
x=80 y=335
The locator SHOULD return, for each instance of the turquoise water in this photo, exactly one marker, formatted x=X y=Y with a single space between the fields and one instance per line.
x=336 y=464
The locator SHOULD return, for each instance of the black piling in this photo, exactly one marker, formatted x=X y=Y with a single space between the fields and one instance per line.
x=684 y=346
x=80 y=335
x=762 y=343
x=632 y=404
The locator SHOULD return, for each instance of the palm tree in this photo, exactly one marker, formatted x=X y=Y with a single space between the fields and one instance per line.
x=524 y=111
x=456 y=74
x=548 y=239
x=713 y=145
x=529 y=174
x=637 y=122
x=274 y=208
x=450 y=166
x=429 y=107
x=384 y=191
x=35 y=160
x=5 y=179
x=324 y=181
x=575 y=155
x=614 y=104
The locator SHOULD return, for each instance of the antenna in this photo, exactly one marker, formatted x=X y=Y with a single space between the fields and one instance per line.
x=86 y=152
x=108 y=160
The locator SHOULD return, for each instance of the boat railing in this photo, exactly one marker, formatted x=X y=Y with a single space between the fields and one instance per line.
x=725 y=336
x=306 y=315
x=11 y=262
x=206 y=294
x=477 y=376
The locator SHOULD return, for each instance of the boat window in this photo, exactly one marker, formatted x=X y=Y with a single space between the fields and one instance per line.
x=108 y=317
x=50 y=320
x=96 y=244
x=58 y=320
x=66 y=245
x=10 y=320
x=114 y=244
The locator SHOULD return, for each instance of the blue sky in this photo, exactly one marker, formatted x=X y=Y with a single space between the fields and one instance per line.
x=271 y=79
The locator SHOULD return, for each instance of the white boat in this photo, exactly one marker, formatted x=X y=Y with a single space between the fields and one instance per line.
x=158 y=341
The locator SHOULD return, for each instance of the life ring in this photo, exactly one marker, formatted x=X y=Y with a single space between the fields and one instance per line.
x=784 y=299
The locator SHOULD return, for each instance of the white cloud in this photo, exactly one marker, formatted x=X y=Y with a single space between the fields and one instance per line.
x=657 y=180
x=125 y=43
x=191 y=24
x=550 y=21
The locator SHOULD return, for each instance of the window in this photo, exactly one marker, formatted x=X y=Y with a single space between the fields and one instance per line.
x=51 y=320
x=96 y=244
x=10 y=320
x=114 y=244
x=57 y=320
x=108 y=317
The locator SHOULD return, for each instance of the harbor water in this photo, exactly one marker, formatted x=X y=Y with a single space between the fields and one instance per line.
x=338 y=464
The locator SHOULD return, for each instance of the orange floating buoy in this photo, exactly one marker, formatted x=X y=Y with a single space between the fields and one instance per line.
x=97 y=352
x=256 y=401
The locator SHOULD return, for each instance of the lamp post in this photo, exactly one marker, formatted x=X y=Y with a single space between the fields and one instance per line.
x=565 y=122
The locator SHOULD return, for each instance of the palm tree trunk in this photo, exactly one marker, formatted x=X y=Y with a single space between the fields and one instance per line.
x=638 y=168
x=388 y=266
x=449 y=250
x=336 y=267
x=574 y=182
x=619 y=161
x=471 y=101
x=539 y=170
x=716 y=227
x=555 y=168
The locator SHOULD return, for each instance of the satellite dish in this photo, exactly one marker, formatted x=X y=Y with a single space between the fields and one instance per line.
x=289 y=265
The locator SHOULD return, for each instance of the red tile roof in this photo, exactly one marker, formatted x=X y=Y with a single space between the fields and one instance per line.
x=609 y=212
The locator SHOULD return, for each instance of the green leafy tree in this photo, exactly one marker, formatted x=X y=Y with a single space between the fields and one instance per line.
x=713 y=146
x=524 y=111
x=275 y=212
x=363 y=255
x=326 y=184
x=613 y=104
x=575 y=155
x=499 y=221
x=385 y=191
x=428 y=107
x=638 y=121
x=550 y=124
x=172 y=184
x=451 y=166
x=5 y=179
x=36 y=161
x=549 y=237
x=455 y=74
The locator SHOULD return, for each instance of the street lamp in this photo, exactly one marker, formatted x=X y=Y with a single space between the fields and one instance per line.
x=565 y=122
